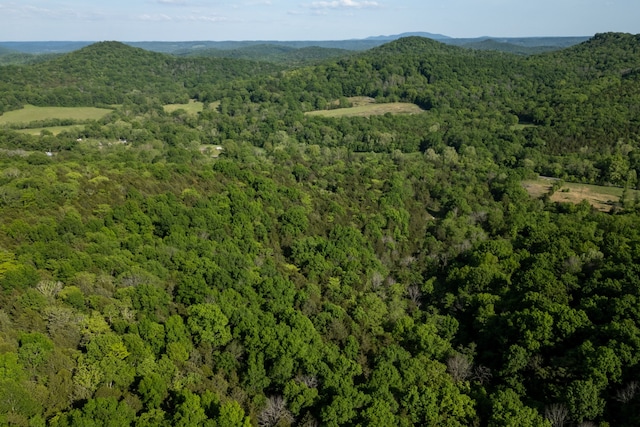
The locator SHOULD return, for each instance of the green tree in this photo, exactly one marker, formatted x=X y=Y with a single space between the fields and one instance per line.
x=584 y=401
x=208 y=324
x=153 y=390
x=188 y=410
x=508 y=410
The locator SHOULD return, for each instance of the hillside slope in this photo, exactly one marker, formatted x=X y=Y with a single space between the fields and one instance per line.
x=105 y=72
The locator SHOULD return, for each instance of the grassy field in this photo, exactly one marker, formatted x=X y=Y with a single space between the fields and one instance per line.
x=521 y=126
x=31 y=113
x=53 y=129
x=365 y=107
x=193 y=107
x=598 y=196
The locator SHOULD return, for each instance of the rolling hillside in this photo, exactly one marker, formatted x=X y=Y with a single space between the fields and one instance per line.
x=240 y=243
x=105 y=73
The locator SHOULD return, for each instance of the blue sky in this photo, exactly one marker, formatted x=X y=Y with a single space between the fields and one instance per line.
x=173 y=20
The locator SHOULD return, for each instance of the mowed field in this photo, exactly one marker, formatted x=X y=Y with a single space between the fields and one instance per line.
x=365 y=107
x=31 y=113
x=55 y=130
x=193 y=107
x=600 y=197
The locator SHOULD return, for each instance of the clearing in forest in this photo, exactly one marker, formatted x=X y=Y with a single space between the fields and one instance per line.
x=193 y=107
x=55 y=130
x=365 y=107
x=32 y=113
x=600 y=197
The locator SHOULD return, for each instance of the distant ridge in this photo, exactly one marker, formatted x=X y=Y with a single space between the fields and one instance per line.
x=512 y=44
x=412 y=34
x=6 y=51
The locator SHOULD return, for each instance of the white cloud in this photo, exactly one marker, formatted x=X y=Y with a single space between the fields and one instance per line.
x=173 y=2
x=204 y=18
x=343 y=4
x=15 y=11
x=24 y=11
x=155 y=18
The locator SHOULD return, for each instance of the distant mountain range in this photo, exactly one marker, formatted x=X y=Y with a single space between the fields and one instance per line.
x=418 y=34
x=499 y=43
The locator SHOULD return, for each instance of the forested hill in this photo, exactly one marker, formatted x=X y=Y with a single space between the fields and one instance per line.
x=608 y=53
x=414 y=45
x=6 y=51
x=558 y=93
x=279 y=54
x=106 y=72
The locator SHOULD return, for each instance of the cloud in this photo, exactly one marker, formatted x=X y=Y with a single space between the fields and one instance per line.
x=172 y=2
x=204 y=18
x=260 y=3
x=24 y=11
x=344 y=4
x=155 y=18
x=15 y=11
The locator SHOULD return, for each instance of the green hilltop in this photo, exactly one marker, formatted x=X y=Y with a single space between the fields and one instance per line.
x=107 y=72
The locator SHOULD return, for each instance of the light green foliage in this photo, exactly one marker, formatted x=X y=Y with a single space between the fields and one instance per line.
x=15 y=399
x=32 y=113
x=99 y=412
x=584 y=401
x=34 y=349
x=10 y=368
x=152 y=418
x=429 y=340
x=379 y=413
x=73 y=296
x=231 y=414
x=299 y=395
x=208 y=324
x=188 y=411
x=508 y=410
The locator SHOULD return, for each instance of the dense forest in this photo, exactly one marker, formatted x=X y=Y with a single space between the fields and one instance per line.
x=335 y=271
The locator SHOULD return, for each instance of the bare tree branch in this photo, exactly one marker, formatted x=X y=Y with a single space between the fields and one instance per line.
x=275 y=412
x=557 y=414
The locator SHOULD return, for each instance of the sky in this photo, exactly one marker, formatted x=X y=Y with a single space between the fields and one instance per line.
x=218 y=20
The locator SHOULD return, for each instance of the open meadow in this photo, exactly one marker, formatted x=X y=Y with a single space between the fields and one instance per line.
x=55 y=130
x=600 y=197
x=31 y=113
x=192 y=107
x=365 y=107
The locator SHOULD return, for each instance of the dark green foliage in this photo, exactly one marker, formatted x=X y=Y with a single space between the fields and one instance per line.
x=278 y=54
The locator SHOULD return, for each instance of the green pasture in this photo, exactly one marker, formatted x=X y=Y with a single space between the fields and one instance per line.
x=32 y=113
x=369 y=110
x=521 y=126
x=599 y=196
x=53 y=129
x=193 y=107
